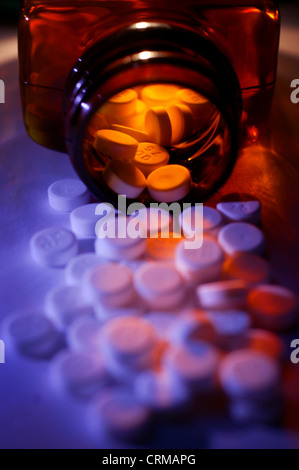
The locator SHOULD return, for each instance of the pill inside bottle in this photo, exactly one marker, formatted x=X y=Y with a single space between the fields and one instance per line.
x=150 y=127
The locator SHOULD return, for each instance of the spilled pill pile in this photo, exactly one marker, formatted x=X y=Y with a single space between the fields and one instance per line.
x=146 y=326
x=133 y=133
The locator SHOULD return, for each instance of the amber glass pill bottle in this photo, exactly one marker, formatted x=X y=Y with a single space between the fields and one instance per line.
x=210 y=66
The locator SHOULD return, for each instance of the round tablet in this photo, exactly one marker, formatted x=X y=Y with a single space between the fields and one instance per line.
x=265 y=342
x=247 y=267
x=202 y=264
x=84 y=334
x=53 y=246
x=169 y=183
x=32 y=334
x=84 y=219
x=128 y=339
x=158 y=94
x=249 y=374
x=135 y=133
x=120 y=413
x=231 y=327
x=196 y=102
x=118 y=240
x=248 y=211
x=64 y=304
x=158 y=126
x=198 y=219
x=67 y=194
x=122 y=104
x=181 y=119
x=125 y=179
x=273 y=307
x=80 y=373
x=158 y=392
x=195 y=365
x=116 y=145
x=110 y=284
x=192 y=326
x=159 y=285
x=222 y=294
x=149 y=157
x=77 y=267
x=241 y=237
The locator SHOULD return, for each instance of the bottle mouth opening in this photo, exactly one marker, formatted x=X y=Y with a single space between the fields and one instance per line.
x=157 y=142
x=155 y=121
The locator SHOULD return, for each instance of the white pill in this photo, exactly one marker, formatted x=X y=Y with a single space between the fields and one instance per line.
x=77 y=267
x=80 y=373
x=248 y=211
x=84 y=219
x=67 y=194
x=181 y=119
x=265 y=342
x=153 y=220
x=149 y=157
x=195 y=366
x=32 y=334
x=53 y=246
x=169 y=183
x=249 y=374
x=118 y=240
x=120 y=413
x=195 y=220
x=84 y=334
x=116 y=145
x=122 y=104
x=110 y=284
x=222 y=294
x=202 y=264
x=241 y=237
x=158 y=126
x=158 y=94
x=159 y=285
x=158 y=392
x=248 y=267
x=129 y=341
x=135 y=133
x=64 y=304
x=125 y=179
x=273 y=307
x=231 y=327
x=192 y=326
x=161 y=321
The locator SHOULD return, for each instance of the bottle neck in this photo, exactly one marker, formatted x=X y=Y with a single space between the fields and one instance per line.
x=146 y=53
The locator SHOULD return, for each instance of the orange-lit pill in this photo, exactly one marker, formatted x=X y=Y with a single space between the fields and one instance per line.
x=181 y=119
x=116 y=145
x=122 y=104
x=125 y=179
x=169 y=183
x=135 y=133
x=190 y=98
x=158 y=126
x=158 y=95
x=149 y=157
